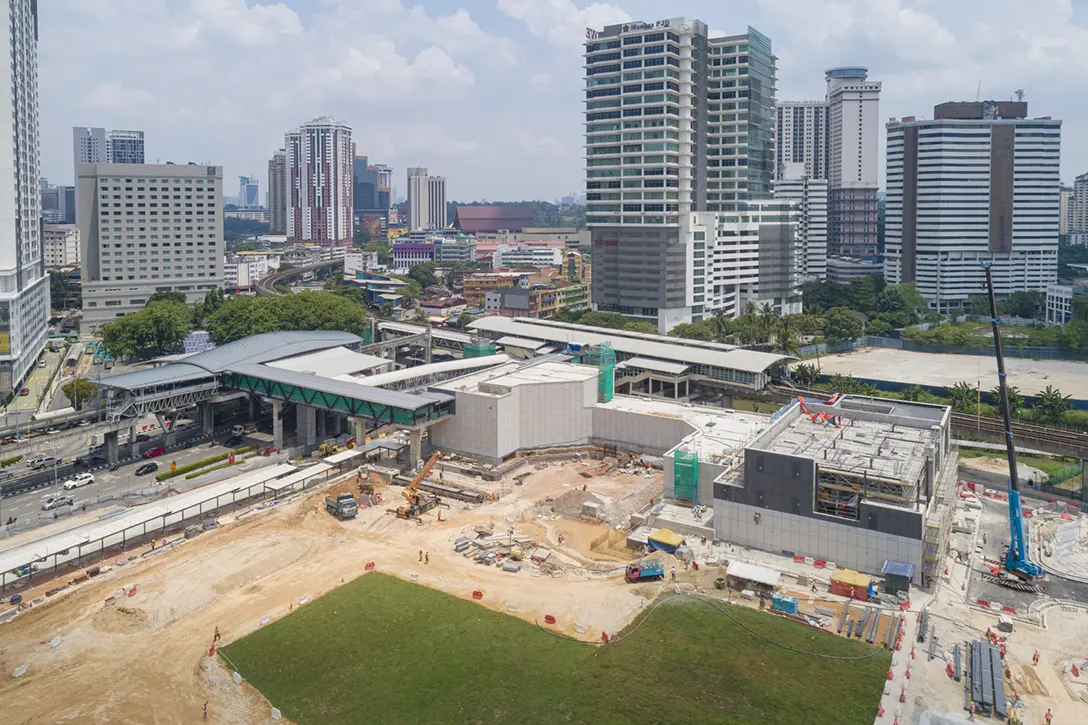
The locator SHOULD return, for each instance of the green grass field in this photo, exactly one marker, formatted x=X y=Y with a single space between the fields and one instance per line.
x=381 y=650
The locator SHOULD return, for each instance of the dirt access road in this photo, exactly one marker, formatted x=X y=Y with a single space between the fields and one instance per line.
x=144 y=660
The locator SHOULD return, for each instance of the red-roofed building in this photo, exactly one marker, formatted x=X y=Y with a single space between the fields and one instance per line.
x=491 y=219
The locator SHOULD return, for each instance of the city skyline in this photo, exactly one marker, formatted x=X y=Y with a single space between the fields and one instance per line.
x=528 y=79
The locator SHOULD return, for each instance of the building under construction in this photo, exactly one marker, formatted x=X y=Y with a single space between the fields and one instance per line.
x=856 y=482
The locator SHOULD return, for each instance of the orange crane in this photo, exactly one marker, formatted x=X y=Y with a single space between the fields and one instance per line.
x=825 y=418
x=419 y=501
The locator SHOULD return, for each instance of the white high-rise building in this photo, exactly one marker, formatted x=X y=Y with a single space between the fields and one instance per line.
x=802 y=137
x=1079 y=208
x=679 y=127
x=147 y=228
x=319 y=183
x=24 y=286
x=1065 y=206
x=426 y=200
x=60 y=245
x=979 y=182
x=99 y=146
x=837 y=139
x=809 y=196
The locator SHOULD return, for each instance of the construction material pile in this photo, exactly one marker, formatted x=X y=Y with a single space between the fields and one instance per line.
x=986 y=683
x=507 y=549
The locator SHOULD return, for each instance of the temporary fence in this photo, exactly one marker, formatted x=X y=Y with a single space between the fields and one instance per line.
x=604 y=357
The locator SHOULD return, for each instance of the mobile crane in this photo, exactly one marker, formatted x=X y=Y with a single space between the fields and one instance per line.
x=1016 y=561
x=419 y=501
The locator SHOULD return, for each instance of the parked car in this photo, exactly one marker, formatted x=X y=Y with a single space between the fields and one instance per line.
x=96 y=449
x=143 y=438
x=41 y=363
x=56 y=500
x=5 y=475
x=24 y=391
x=156 y=451
x=89 y=461
x=80 y=479
x=147 y=468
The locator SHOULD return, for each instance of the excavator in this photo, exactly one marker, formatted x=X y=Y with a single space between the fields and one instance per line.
x=419 y=501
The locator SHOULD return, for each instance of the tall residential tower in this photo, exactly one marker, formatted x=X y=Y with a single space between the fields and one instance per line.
x=426 y=200
x=277 y=193
x=24 y=286
x=977 y=183
x=679 y=141
x=319 y=180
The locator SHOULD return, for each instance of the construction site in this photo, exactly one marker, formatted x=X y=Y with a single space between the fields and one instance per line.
x=535 y=491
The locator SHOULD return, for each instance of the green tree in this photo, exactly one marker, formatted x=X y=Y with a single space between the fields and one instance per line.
x=361 y=236
x=465 y=319
x=841 y=325
x=244 y=316
x=155 y=330
x=843 y=383
x=1052 y=405
x=878 y=327
x=63 y=295
x=964 y=396
x=722 y=326
x=642 y=326
x=382 y=250
x=693 y=331
x=804 y=375
x=80 y=392
x=913 y=393
x=1016 y=400
x=785 y=338
x=1029 y=304
x=425 y=274
x=177 y=297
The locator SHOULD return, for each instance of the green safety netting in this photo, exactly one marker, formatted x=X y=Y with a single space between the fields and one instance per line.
x=685 y=475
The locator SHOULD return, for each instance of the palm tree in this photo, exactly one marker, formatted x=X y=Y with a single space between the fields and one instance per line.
x=785 y=339
x=963 y=396
x=768 y=316
x=843 y=383
x=721 y=326
x=1052 y=404
x=913 y=393
x=1016 y=400
x=805 y=375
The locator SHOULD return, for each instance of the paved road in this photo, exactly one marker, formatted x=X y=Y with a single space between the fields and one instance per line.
x=108 y=484
x=37 y=383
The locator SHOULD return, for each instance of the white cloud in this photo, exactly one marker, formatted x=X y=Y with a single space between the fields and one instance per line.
x=561 y=22
x=245 y=25
x=460 y=34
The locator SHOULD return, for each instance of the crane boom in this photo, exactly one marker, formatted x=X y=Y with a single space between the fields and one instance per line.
x=411 y=490
x=1016 y=559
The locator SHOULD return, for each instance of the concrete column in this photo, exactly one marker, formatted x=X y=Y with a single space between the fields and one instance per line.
x=133 y=446
x=415 y=445
x=337 y=421
x=427 y=352
x=111 y=447
x=360 y=430
x=306 y=429
x=254 y=408
x=321 y=416
x=277 y=424
x=207 y=418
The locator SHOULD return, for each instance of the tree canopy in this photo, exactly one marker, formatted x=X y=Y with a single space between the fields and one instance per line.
x=244 y=316
x=155 y=330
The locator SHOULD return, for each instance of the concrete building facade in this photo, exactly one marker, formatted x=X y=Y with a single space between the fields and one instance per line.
x=319 y=183
x=24 y=286
x=1065 y=221
x=60 y=245
x=100 y=146
x=426 y=200
x=1079 y=208
x=677 y=124
x=1059 y=302
x=977 y=183
x=801 y=138
x=147 y=228
x=277 y=193
x=809 y=197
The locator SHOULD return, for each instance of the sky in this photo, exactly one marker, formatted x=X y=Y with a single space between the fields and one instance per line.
x=488 y=93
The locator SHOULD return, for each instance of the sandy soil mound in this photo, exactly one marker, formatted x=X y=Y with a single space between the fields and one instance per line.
x=120 y=620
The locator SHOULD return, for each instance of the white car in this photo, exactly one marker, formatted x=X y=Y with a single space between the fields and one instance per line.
x=56 y=500
x=80 y=479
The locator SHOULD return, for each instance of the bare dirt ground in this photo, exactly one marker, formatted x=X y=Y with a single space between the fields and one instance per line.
x=145 y=659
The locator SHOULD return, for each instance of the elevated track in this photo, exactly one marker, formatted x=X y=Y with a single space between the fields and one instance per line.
x=267 y=286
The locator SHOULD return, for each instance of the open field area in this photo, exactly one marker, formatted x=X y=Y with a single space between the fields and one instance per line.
x=383 y=650
x=924 y=368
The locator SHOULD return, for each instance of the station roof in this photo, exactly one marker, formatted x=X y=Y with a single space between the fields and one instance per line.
x=330 y=363
x=338 y=386
x=656 y=366
x=263 y=348
x=659 y=347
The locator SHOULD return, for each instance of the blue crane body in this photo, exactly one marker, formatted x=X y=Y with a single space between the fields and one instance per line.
x=1016 y=558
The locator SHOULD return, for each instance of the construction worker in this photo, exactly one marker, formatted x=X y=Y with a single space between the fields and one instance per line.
x=1049 y=716
x=674 y=573
x=205 y=709
x=427 y=558
x=217 y=636
x=421 y=554
x=972 y=713
x=1035 y=658
x=983 y=537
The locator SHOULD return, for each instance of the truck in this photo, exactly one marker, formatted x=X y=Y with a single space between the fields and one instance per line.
x=241 y=430
x=342 y=506
x=644 y=570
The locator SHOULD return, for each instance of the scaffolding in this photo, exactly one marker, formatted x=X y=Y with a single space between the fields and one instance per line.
x=603 y=356
x=685 y=475
x=479 y=347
